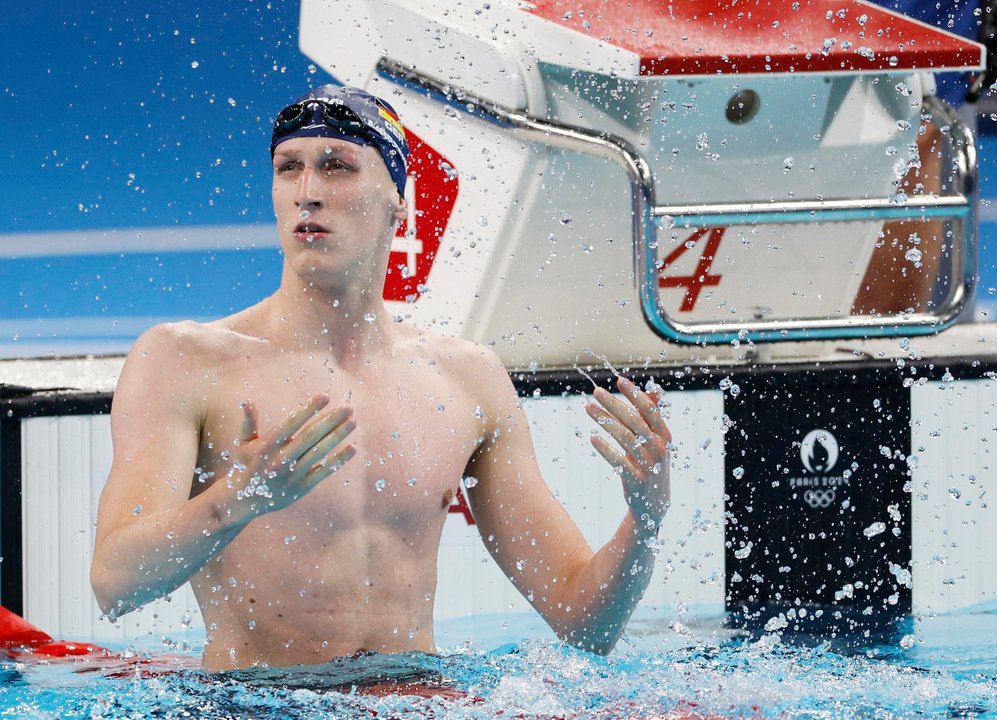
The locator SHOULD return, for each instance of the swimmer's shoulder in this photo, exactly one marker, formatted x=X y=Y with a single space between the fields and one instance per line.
x=179 y=340
x=191 y=345
x=476 y=367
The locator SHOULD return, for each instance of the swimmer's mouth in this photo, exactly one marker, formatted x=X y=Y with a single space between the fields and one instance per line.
x=310 y=229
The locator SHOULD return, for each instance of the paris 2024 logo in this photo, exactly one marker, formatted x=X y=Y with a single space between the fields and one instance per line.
x=819 y=454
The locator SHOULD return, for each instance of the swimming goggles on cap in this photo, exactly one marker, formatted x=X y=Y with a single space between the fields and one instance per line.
x=334 y=116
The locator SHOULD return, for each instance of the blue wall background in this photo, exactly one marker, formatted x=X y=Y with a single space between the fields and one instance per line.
x=135 y=113
x=152 y=114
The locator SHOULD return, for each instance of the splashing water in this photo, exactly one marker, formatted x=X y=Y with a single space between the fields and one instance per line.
x=666 y=668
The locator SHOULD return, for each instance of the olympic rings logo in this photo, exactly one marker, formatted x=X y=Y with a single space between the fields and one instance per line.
x=819 y=498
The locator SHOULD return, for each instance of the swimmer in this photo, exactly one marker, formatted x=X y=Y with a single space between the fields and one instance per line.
x=296 y=461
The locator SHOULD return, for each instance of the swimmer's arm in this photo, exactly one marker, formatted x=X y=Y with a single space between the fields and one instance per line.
x=150 y=537
x=587 y=598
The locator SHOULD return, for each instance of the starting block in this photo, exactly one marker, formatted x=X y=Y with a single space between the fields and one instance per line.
x=704 y=172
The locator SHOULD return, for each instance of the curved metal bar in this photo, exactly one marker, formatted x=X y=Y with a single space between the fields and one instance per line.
x=864 y=209
x=960 y=205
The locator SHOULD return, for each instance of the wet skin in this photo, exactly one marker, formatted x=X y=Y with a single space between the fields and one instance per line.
x=295 y=461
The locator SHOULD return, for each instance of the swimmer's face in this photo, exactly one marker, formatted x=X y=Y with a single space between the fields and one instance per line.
x=335 y=203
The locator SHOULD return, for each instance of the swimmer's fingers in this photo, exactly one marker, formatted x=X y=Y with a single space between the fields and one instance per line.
x=647 y=407
x=328 y=465
x=633 y=440
x=322 y=426
x=296 y=419
x=250 y=423
x=623 y=411
x=318 y=453
x=614 y=457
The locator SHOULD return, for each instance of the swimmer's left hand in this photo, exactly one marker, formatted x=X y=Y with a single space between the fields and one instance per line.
x=644 y=437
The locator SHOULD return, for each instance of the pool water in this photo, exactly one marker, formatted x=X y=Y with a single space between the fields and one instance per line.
x=671 y=664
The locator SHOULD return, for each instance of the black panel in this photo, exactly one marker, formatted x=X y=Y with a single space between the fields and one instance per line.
x=707 y=377
x=11 y=591
x=817 y=512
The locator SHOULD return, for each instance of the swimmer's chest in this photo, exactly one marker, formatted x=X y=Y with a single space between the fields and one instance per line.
x=415 y=433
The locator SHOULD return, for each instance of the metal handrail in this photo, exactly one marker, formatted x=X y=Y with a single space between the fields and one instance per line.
x=645 y=214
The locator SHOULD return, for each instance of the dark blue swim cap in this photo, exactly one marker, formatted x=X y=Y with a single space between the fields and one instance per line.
x=350 y=114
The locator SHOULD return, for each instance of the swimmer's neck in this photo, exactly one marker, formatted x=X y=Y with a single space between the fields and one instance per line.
x=351 y=323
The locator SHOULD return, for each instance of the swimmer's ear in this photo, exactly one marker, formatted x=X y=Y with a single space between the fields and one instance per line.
x=400 y=212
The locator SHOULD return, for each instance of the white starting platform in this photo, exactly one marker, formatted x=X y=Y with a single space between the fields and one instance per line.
x=758 y=205
x=700 y=174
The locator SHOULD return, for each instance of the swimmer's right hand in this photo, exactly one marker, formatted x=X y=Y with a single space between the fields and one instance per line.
x=272 y=471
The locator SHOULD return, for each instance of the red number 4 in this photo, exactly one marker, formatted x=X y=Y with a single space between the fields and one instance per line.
x=701 y=276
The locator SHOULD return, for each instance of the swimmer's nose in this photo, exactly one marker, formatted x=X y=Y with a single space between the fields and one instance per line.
x=308 y=197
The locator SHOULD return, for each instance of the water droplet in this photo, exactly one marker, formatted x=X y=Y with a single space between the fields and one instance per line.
x=743 y=552
x=411 y=481
x=195 y=64
x=914 y=256
x=380 y=484
x=137 y=510
x=787 y=164
x=470 y=482
x=448 y=170
x=875 y=529
x=738 y=473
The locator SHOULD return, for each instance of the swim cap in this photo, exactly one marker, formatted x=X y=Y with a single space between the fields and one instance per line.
x=350 y=114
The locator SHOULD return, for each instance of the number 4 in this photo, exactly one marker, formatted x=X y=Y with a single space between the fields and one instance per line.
x=701 y=276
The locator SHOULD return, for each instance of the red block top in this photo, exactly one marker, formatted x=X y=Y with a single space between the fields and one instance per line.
x=707 y=37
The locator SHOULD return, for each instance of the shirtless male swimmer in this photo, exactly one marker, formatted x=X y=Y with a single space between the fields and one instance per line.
x=296 y=460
